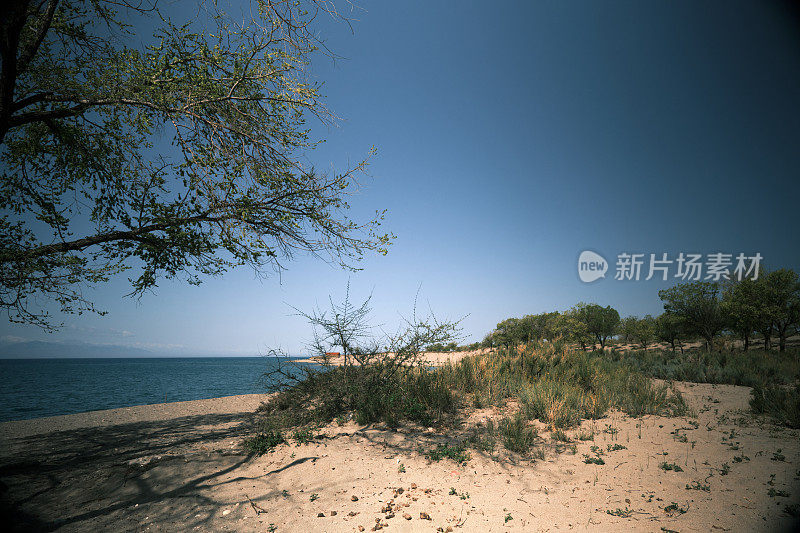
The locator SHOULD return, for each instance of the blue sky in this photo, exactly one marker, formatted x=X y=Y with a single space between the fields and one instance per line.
x=512 y=136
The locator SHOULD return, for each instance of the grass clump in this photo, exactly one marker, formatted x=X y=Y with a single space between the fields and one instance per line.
x=517 y=436
x=778 y=401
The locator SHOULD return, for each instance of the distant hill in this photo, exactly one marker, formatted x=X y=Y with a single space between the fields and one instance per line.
x=44 y=349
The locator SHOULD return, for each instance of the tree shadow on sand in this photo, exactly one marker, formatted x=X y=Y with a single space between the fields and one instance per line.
x=88 y=478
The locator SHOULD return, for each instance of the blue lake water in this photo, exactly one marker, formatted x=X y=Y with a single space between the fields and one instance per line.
x=32 y=388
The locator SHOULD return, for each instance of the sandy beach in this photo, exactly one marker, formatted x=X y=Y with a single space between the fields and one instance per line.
x=180 y=467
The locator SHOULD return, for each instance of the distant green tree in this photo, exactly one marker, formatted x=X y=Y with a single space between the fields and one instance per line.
x=508 y=333
x=698 y=306
x=87 y=189
x=670 y=328
x=781 y=289
x=530 y=328
x=645 y=331
x=743 y=308
x=571 y=328
x=601 y=322
x=547 y=323
x=627 y=328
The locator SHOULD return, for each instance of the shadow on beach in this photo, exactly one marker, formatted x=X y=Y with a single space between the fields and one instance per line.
x=70 y=479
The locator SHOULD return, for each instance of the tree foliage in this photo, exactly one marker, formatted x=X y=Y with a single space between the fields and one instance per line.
x=645 y=331
x=670 y=328
x=698 y=305
x=180 y=157
x=601 y=322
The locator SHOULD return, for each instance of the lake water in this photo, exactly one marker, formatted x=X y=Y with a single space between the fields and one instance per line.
x=32 y=388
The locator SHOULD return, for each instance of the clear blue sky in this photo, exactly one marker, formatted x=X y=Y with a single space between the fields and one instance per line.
x=512 y=136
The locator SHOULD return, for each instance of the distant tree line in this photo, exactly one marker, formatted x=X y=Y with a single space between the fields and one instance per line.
x=768 y=306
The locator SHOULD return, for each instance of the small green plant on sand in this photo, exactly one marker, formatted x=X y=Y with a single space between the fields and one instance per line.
x=780 y=493
x=314 y=497
x=508 y=518
x=674 y=508
x=596 y=460
x=402 y=468
x=615 y=447
x=696 y=485
x=304 y=435
x=666 y=467
x=622 y=513
x=455 y=452
x=265 y=441
x=778 y=456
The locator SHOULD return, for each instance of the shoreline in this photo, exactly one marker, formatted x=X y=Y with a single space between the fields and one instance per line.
x=154 y=412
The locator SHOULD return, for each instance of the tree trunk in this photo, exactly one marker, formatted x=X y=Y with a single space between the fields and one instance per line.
x=710 y=343
x=746 y=341
x=767 y=341
x=672 y=343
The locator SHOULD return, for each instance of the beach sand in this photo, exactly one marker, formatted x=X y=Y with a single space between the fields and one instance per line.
x=179 y=467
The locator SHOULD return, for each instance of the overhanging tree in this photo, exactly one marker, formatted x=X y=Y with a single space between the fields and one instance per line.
x=182 y=157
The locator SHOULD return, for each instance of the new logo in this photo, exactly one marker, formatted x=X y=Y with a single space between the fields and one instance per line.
x=591 y=266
